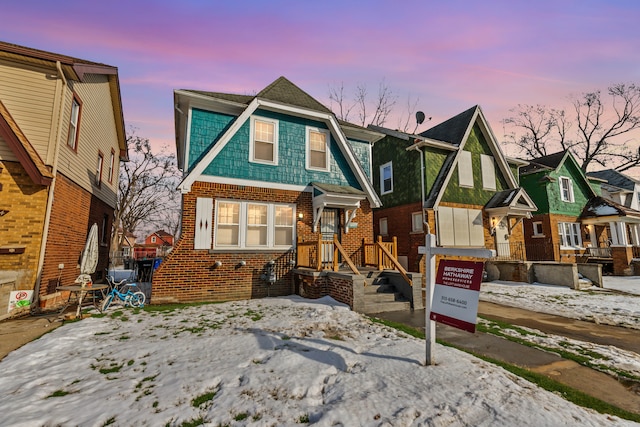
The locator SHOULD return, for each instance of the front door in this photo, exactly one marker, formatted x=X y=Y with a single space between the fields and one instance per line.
x=502 y=239
x=329 y=225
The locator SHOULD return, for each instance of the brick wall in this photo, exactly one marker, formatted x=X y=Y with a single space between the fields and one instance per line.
x=73 y=212
x=189 y=275
x=22 y=226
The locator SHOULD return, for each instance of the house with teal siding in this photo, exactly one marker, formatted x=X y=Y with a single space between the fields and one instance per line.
x=452 y=181
x=264 y=175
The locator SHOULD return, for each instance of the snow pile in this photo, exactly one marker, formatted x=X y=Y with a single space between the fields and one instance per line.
x=280 y=361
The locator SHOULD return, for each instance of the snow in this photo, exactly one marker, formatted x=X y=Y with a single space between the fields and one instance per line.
x=275 y=361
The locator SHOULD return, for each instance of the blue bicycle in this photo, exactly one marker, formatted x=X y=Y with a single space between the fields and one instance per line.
x=131 y=297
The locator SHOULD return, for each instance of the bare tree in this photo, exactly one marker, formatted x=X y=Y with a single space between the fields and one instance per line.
x=375 y=112
x=145 y=190
x=596 y=134
x=404 y=123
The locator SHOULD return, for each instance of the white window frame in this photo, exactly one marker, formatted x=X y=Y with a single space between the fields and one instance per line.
x=153 y=239
x=570 y=235
x=112 y=163
x=252 y=138
x=416 y=222
x=99 y=167
x=569 y=184
x=537 y=229
x=327 y=147
x=488 y=166
x=384 y=227
x=465 y=169
x=74 y=123
x=243 y=226
x=382 y=168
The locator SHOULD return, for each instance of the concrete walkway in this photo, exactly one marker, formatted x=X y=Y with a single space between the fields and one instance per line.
x=586 y=380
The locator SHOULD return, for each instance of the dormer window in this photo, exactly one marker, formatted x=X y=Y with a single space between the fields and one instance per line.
x=317 y=149
x=264 y=141
x=386 y=178
x=566 y=189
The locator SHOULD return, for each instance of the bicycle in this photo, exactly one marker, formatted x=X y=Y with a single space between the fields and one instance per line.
x=129 y=298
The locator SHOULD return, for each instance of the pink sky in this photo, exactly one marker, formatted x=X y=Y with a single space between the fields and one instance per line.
x=495 y=53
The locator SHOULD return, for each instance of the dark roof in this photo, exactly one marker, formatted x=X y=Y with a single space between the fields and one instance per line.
x=501 y=198
x=452 y=130
x=240 y=99
x=601 y=207
x=615 y=178
x=548 y=162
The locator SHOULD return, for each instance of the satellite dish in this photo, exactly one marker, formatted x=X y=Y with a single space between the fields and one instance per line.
x=420 y=117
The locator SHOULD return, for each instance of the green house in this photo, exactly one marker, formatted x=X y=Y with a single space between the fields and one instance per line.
x=452 y=181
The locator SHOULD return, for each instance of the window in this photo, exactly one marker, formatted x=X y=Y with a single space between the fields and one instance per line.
x=537 y=229
x=104 y=235
x=488 y=172
x=460 y=227
x=112 y=163
x=74 y=122
x=416 y=222
x=264 y=146
x=570 y=234
x=465 y=171
x=253 y=225
x=318 y=149
x=566 y=189
x=99 y=169
x=384 y=230
x=153 y=239
x=386 y=178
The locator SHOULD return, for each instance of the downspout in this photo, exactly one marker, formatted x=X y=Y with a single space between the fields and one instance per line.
x=422 y=189
x=47 y=217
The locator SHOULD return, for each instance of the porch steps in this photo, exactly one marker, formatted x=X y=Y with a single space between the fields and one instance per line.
x=381 y=296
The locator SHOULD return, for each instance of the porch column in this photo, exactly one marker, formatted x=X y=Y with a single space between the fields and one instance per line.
x=622 y=256
x=635 y=236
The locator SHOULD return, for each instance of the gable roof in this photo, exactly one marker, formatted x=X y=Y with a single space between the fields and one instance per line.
x=74 y=69
x=601 y=208
x=22 y=148
x=454 y=129
x=615 y=179
x=284 y=97
x=548 y=162
x=515 y=198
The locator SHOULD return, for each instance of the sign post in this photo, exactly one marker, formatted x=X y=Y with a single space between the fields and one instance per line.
x=430 y=251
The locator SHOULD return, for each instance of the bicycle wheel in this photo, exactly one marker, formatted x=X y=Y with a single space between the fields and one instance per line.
x=137 y=299
x=106 y=302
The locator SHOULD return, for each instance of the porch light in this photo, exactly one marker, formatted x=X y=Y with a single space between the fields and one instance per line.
x=300 y=216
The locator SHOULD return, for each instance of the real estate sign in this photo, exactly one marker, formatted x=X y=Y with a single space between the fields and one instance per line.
x=456 y=294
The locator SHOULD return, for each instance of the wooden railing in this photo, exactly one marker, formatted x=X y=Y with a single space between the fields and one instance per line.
x=323 y=254
x=384 y=255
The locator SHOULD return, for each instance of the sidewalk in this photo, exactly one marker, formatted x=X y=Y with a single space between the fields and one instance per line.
x=14 y=333
x=586 y=380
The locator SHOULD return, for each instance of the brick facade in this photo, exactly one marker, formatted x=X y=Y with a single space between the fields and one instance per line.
x=21 y=228
x=189 y=275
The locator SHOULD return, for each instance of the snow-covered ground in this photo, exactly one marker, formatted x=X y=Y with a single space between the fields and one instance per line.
x=268 y=362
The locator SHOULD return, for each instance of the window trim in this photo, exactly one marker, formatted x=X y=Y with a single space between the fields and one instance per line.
x=327 y=147
x=384 y=231
x=571 y=196
x=112 y=163
x=535 y=229
x=243 y=224
x=413 y=228
x=74 y=126
x=99 y=168
x=252 y=138
x=465 y=169
x=382 y=168
x=567 y=241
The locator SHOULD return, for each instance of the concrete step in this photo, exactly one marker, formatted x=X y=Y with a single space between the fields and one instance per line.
x=379 y=289
x=380 y=307
x=386 y=297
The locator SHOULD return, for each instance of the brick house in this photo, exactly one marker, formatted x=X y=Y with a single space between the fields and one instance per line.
x=453 y=181
x=61 y=140
x=262 y=174
x=156 y=244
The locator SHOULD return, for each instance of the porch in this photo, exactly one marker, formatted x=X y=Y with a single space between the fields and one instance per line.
x=369 y=280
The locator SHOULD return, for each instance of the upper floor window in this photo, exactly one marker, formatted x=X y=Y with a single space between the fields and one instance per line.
x=99 y=169
x=112 y=164
x=386 y=178
x=465 y=171
x=566 y=189
x=74 y=123
x=488 y=172
x=416 y=222
x=264 y=141
x=317 y=149
x=153 y=239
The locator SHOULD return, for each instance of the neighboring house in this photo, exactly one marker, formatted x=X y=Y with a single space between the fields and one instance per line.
x=157 y=244
x=561 y=191
x=467 y=195
x=61 y=140
x=262 y=174
x=619 y=188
